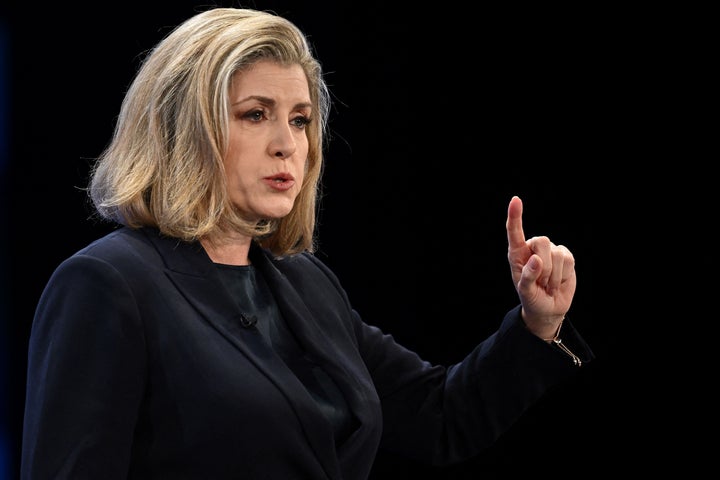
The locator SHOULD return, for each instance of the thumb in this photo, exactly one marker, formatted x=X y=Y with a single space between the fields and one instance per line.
x=530 y=273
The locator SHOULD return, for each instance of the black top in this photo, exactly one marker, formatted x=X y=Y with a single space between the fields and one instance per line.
x=256 y=303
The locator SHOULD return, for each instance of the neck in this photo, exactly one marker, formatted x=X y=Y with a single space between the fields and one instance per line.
x=228 y=250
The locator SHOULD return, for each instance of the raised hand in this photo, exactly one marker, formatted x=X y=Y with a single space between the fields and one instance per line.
x=543 y=274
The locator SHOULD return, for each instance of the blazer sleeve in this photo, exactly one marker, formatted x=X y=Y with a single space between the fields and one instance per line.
x=443 y=415
x=85 y=378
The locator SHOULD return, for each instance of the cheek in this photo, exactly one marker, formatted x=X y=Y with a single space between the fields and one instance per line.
x=303 y=152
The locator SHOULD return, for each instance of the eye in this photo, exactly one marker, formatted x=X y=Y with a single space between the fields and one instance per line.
x=254 y=115
x=300 y=122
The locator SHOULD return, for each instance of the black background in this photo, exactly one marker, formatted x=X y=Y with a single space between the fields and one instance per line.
x=440 y=116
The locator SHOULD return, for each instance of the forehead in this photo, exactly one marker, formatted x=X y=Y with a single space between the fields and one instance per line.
x=273 y=79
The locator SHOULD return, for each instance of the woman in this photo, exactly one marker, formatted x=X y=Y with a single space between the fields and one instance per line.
x=203 y=338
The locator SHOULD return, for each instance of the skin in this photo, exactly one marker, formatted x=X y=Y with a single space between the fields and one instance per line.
x=543 y=274
x=270 y=107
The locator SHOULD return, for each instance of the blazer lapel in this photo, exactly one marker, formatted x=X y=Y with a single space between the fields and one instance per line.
x=191 y=270
x=344 y=370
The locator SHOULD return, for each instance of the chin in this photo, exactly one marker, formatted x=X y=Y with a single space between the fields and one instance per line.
x=277 y=214
x=270 y=210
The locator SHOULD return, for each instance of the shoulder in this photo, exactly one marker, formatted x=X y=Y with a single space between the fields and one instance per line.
x=121 y=242
x=124 y=251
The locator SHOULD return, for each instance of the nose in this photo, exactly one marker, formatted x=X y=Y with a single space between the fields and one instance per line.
x=282 y=144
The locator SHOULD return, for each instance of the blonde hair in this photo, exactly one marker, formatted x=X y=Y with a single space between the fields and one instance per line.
x=164 y=165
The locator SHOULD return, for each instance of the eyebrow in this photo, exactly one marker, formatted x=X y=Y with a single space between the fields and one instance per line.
x=271 y=102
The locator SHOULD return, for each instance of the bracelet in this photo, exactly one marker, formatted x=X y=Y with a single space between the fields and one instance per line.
x=557 y=332
x=557 y=341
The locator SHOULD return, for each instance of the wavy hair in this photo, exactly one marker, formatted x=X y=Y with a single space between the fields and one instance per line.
x=164 y=165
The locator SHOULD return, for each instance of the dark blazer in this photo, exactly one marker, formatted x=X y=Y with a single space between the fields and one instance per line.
x=140 y=368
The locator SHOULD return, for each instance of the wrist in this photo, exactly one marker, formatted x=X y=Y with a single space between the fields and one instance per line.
x=546 y=327
x=557 y=341
x=555 y=335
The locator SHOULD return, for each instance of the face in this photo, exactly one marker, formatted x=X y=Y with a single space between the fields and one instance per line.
x=265 y=163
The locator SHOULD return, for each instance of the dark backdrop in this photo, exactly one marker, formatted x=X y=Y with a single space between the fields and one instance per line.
x=440 y=117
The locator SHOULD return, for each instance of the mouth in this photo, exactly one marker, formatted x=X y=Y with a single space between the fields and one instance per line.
x=281 y=181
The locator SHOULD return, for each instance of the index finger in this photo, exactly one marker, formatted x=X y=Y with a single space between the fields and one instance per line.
x=515 y=233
